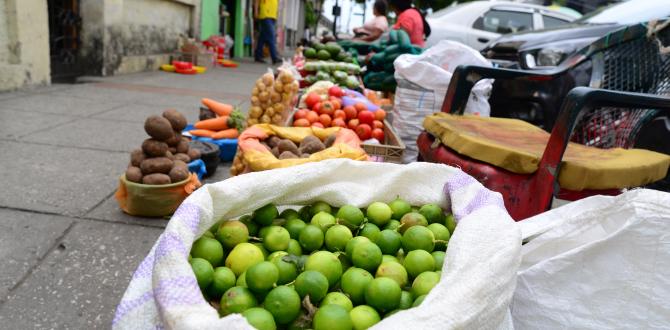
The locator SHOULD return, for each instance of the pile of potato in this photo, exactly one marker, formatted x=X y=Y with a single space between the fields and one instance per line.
x=272 y=98
x=286 y=149
x=163 y=158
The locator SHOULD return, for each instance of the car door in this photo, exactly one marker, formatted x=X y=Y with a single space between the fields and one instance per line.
x=498 y=21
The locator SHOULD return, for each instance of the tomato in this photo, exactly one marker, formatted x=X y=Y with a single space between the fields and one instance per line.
x=360 y=106
x=335 y=91
x=317 y=124
x=317 y=106
x=338 y=122
x=366 y=117
x=326 y=108
x=339 y=114
x=352 y=123
x=364 y=131
x=350 y=111
x=377 y=124
x=378 y=134
x=302 y=122
x=337 y=104
x=325 y=120
x=312 y=116
x=302 y=113
x=380 y=114
x=312 y=99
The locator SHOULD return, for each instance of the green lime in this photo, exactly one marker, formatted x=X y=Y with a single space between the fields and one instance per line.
x=337 y=238
x=379 y=213
x=364 y=317
x=208 y=234
x=262 y=276
x=324 y=220
x=424 y=283
x=367 y=255
x=419 y=261
x=208 y=249
x=311 y=283
x=389 y=241
x=412 y=219
x=260 y=318
x=389 y=258
x=242 y=280
x=236 y=300
x=350 y=215
x=332 y=317
x=222 y=280
x=392 y=225
x=305 y=213
x=354 y=281
x=294 y=226
x=383 y=294
x=283 y=303
x=433 y=213
x=231 y=233
x=369 y=230
x=438 y=256
x=265 y=215
x=441 y=234
x=394 y=271
x=260 y=246
x=289 y=214
x=337 y=298
x=346 y=263
x=319 y=207
x=399 y=208
x=406 y=300
x=276 y=239
x=287 y=270
x=252 y=227
x=418 y=238
x=349 y=249
x=450 y=222
x=418 y=300
x=294 y=248
x=415 y=209
x=311 y=238
x=327 y=264
x=203 y=271
x=243 y=256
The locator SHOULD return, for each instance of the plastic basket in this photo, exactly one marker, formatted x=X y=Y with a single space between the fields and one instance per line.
x=390 y=151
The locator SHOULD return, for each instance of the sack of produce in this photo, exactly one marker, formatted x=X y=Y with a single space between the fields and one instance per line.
x=472 y=290
x=148 y=200
x=265 y=147
x=422 y=84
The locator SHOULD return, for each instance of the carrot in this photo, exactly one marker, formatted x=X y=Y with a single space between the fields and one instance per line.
x=214 y=124
x=230 y=133
x=202 y=132
x=219 y=108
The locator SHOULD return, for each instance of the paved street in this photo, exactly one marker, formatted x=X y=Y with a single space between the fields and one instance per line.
x=67 y=252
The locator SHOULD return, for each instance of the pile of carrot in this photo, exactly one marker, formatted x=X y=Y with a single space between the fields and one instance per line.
x=224 y=126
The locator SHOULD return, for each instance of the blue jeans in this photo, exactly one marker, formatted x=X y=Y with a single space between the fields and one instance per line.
x=267 y=35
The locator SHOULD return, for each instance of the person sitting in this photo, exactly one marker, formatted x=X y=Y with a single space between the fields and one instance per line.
x=411 y=20
x=374 y=28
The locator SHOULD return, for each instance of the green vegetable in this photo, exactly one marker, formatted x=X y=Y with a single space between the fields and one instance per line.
x=403 y=40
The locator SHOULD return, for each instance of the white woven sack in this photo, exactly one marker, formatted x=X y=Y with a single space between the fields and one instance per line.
x=598 y=263
x=478 y=277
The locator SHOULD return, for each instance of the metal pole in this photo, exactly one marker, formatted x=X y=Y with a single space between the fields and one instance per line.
x=239 y=28
x=335 y=20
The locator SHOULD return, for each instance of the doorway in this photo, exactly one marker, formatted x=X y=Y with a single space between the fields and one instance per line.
x=64 y=39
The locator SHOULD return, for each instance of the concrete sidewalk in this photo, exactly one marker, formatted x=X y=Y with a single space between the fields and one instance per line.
x=67 y=252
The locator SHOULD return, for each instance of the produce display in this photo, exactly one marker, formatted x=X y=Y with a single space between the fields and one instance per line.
x=322 y=267
x=218 y=121
x=272 y=98
x=163 y=158
x=331 y=63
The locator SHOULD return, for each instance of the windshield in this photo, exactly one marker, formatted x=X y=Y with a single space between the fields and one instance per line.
x=629 y=12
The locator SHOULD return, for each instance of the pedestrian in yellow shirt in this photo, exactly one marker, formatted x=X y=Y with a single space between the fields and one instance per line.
x=266 y=13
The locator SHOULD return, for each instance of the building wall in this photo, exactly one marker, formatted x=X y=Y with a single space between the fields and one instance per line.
x=24 y=45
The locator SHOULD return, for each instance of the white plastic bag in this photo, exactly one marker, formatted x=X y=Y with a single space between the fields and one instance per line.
x=598 y=263
x=478 y=276
x=422 y=84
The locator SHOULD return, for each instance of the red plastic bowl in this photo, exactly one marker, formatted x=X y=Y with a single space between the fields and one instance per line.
x=181 y=65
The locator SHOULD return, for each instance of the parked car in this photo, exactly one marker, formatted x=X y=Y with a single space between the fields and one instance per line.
x=477 y=23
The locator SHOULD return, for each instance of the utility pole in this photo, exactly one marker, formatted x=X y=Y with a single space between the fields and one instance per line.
x=336 y=13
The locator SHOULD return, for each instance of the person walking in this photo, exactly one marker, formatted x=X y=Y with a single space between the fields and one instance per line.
x=266 y=13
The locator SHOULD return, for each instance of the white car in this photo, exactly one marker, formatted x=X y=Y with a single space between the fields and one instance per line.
x=479 y=22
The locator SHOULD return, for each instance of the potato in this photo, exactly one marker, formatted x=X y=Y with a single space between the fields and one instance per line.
x=305 y=155
x=287 y=155
x=264 y=96
x=273 y=141
x=266 y=146
x=173 y=150
x=174 y=140
x=158 y=128
x=255 y=112
x=261 y=86
x=182 y=157
x=169 y=155
x=288 y=88
x=311 y=144
x=329 y=141
x=287 y=145
x=156 y=179
x=277 y=119
x=182 y=146
x=268 y=79
x=252 y=122
x=178 y=173
x=176 y=119
x=275 y=97
x=154 y=148
x=193 y=154
x=278 y=87
x=255 y=101
x=136 y=157
x=265 y=119
x=181 y=163
x=156 y=165
x=134 y=174
x=255 y=91
x=275 y=151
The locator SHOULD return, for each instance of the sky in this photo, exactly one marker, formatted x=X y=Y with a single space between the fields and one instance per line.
x=346 y=22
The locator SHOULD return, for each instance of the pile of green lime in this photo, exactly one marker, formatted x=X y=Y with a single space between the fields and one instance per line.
x=323 y=267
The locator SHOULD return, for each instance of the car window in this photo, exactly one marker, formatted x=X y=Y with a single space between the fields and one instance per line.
x=503 y=21
x=551 y=22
